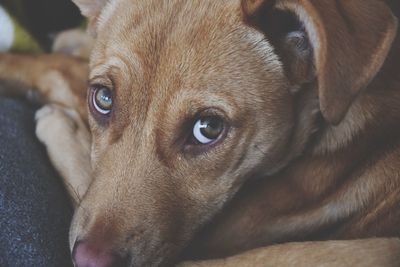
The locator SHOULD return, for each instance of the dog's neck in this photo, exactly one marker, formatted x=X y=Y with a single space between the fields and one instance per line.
x=330 y=172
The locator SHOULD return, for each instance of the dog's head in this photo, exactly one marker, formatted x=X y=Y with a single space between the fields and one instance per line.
x=188 y=99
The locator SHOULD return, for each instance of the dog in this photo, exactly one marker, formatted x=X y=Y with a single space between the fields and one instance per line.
x=219 y=129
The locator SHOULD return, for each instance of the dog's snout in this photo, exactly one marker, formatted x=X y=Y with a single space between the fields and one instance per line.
x=87 y=254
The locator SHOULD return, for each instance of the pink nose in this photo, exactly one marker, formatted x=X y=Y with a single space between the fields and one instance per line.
x=86 y=254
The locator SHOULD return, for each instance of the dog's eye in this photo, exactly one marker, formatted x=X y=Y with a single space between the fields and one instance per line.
x=102 y=100
x=208 y=129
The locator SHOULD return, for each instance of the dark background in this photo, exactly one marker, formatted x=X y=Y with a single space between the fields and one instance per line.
x=44 y=17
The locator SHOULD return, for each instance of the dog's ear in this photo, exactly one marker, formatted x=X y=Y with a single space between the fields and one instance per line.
x=91 y=9
x=347 y=41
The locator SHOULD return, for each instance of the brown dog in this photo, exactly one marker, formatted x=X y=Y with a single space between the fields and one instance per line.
x=267 y=121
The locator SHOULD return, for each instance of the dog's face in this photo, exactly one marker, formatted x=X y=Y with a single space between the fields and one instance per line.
x=198 y=100
x=187 y=101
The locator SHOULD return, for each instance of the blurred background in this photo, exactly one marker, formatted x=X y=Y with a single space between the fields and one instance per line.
x=43 y=18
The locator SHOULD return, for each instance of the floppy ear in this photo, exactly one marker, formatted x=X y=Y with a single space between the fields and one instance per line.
x=349 y=41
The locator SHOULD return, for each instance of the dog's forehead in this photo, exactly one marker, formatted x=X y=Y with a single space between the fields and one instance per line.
x=177 y=51
x=171 y=11
x=142 y=36
x=140 y=26
x=163 y=38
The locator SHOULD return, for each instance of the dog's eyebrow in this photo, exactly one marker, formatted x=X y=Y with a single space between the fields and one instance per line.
x=128 y=67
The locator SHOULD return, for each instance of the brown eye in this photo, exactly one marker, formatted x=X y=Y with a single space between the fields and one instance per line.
x=102 y=100
x=208 y=129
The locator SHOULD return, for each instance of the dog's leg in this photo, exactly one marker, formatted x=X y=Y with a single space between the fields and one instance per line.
x=56 y=78
x=355 y=253
x=67 y=140
x=62 y=81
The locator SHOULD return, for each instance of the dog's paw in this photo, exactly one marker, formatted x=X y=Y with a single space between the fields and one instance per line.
x=68 y=144
x=53 y=122
x=45 y=111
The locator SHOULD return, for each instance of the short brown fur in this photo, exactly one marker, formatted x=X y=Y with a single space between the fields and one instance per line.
x=312 y=152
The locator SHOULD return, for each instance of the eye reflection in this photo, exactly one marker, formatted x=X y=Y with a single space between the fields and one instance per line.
x=102 y=100
x=208 y=129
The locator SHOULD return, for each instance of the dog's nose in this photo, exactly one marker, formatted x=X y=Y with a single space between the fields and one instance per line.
x=86 y=254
